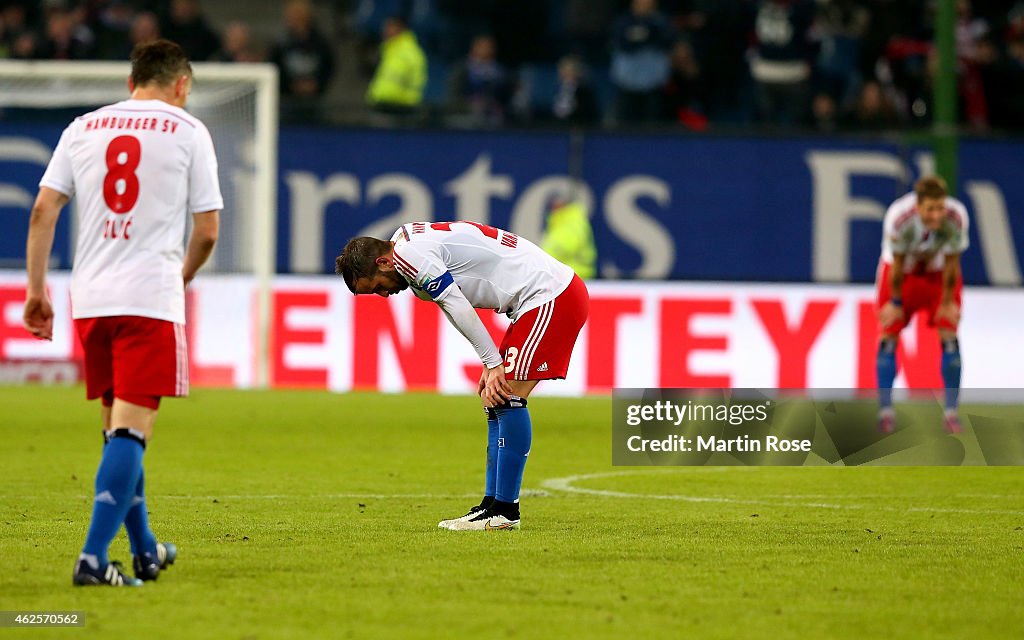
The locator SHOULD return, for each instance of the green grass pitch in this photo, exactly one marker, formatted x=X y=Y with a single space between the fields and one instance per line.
x=309 y=515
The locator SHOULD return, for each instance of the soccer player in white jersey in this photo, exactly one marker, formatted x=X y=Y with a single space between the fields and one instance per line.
x=463 y=266
x=138 y=168
x=924 y=233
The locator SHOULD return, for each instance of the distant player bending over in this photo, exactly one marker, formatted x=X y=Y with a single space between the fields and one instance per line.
x=924 y=233
x=466 y=265
x=138 y=168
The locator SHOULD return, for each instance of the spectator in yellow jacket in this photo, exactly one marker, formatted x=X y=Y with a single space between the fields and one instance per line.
x=569 y=237
x=397 y=85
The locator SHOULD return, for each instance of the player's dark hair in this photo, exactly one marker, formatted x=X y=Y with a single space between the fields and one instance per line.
x=359 y=259
x=159 y=62
x=931 y=187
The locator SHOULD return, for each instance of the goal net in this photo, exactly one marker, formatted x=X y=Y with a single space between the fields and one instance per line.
x=237 y=102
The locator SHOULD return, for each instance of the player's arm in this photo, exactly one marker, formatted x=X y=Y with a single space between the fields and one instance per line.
x=894 y=243
x=896 y=276
x=205 y=227
x=493 y=388
x=205 y=202
x=38 y=316
x=892 y=312
x=421 y=265
x=948 y=308
x=951 y=274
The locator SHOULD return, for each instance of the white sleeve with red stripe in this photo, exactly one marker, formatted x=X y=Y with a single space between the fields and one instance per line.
x=463 y=316
x=896 y=217
x=958 y=214
x=428 y=273
x=423 y=268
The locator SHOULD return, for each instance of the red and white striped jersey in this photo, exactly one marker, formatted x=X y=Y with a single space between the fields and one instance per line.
x=494 y=268
x=904 y=233
x=138 y=169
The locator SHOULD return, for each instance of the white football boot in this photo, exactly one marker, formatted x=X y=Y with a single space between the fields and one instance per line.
x=474 y=512
x=485 y=521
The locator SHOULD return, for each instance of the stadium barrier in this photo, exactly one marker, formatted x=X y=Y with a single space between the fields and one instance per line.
x=638 y=335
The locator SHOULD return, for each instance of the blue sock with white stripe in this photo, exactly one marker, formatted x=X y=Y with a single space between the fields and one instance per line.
x=515 y=436
x=951 y=372
x=491 y=483
x=116 y=479
x=136 y=521
x=886 y=369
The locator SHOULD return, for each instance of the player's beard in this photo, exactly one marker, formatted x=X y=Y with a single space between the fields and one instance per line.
x=397 y=283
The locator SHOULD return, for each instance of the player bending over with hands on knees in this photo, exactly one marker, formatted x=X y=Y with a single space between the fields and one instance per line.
x=139 y=168
x=924 y=234
x=464 y=266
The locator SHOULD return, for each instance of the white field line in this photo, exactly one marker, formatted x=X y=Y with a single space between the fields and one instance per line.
x=568 y=485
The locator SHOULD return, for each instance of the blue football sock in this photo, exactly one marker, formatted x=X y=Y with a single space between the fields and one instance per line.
x=492 y=453
x=116 y=479
x=136 y=521
x=515 y=435
x=951 y=371
x=886 y=368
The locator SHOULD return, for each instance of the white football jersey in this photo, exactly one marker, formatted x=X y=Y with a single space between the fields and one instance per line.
x=494 y=268
x=138 y=168
x=904 y=233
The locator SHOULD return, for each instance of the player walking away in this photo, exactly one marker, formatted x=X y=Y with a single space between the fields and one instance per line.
x=137 y=167
x=462 y=265
x=924 y=234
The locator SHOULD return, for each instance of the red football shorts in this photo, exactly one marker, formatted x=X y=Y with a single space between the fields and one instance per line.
x=921 y=293
x=538 y=345
x=136 y=359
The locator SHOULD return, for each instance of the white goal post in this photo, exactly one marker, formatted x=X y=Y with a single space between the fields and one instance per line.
x=239 y=104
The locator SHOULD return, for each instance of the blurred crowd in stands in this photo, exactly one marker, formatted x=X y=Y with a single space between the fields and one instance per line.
x=820 y=65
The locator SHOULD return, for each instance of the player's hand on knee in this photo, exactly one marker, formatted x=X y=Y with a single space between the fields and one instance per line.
x=949 y=311
x=890 y=314
x=496 y=389
x=38 y=317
